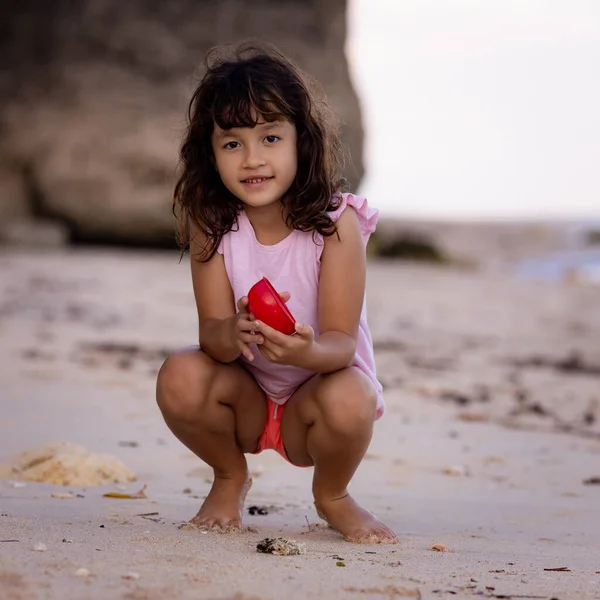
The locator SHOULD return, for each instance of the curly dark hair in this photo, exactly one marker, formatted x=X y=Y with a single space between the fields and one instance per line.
x=243 y=85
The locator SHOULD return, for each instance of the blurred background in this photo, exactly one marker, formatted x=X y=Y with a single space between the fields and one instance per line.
x=455 y=112
x=479 y=110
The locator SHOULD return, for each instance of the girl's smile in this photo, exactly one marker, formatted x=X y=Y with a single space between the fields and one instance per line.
x=255 y=183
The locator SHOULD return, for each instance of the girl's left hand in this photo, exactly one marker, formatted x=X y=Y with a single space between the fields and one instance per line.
x=283 y=349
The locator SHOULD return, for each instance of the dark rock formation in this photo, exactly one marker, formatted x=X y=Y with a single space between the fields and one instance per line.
x=93 y=97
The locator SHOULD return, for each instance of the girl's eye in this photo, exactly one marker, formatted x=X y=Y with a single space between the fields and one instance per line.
x=271 y=139
x=231 y=145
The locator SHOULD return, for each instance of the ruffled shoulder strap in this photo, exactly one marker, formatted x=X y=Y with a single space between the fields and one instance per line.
x=367 y=216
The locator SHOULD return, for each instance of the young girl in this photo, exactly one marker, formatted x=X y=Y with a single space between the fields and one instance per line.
x=260 y=196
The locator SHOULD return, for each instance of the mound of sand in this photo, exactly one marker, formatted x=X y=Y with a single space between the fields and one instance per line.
x=66 y=464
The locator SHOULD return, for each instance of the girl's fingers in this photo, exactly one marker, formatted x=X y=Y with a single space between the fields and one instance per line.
x=249 y=338
x=304 y=331
x=267 y=344
x=273 y=347
x=270 y=334
x=242 y=303
x=246 y=351
x=246 y=324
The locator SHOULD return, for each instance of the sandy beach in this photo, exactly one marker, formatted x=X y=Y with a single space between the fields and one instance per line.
x=490 y=445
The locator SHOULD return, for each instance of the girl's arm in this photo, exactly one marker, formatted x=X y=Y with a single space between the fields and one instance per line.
x=215 y=304
x=341 y=295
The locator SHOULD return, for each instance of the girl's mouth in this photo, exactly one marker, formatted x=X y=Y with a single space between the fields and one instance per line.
x=256 y=181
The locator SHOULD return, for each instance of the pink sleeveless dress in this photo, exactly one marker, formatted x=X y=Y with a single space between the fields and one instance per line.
x=293 y=265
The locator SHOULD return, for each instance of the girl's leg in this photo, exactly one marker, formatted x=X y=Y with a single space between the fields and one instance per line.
x=328 y=422
x=219 y=412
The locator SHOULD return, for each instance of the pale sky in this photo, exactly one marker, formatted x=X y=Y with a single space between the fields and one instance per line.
x=479 y=108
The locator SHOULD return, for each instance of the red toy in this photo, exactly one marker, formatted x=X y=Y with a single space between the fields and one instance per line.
x=266 y=305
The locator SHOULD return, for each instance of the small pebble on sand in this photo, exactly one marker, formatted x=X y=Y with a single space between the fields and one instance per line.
x=280 y=546
x=82 y=572
x=39 y=547
x=131 y=575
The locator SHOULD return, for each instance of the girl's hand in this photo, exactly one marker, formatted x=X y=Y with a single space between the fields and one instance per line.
x=243 y=331
x=283 y=349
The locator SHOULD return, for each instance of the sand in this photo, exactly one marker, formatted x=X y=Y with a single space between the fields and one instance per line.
x=67 y=465
x=491 y=432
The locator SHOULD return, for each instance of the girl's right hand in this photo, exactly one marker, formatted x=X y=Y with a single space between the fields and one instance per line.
x=243 y=329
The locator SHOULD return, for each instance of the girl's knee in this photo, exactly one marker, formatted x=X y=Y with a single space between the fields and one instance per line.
x=347 y=400
x=184 y=382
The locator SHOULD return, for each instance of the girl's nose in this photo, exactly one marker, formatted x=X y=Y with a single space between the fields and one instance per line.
x=253 y=157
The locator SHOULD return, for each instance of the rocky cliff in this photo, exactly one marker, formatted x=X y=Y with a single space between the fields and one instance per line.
x=93 y=97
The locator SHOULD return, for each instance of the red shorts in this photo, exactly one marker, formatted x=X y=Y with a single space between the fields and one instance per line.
x=270 y=438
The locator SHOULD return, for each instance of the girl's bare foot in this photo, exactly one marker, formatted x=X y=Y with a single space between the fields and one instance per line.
x=355 y=523
x=222 y=510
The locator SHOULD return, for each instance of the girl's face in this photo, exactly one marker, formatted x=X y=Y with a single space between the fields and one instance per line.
x=257 y=164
